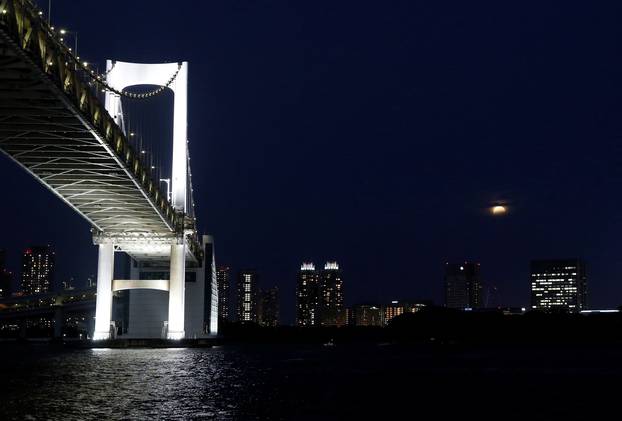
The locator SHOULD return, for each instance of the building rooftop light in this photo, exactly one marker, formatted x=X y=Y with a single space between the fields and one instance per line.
x=331 y=266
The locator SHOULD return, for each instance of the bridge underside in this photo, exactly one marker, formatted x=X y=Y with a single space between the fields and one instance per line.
x=53 y=124
x=43 y=132
x=51 y=140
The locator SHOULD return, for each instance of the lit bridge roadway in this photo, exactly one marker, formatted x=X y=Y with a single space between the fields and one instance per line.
x=53 y=307
x=44 y=305
x=55 y=126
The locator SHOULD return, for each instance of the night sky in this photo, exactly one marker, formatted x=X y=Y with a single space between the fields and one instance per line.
x=375 y=134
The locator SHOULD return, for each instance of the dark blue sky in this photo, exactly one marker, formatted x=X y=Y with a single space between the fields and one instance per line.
x=375 y=133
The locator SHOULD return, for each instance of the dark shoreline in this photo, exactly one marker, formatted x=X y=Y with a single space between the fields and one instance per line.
x=434 y=327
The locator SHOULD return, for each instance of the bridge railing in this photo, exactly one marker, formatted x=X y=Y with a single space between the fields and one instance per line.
x=22 y=22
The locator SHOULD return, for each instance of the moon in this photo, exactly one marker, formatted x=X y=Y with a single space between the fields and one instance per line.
x=499 y=210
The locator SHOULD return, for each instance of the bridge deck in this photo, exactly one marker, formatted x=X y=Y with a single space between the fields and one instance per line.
x=54 y=126
x=48 y=138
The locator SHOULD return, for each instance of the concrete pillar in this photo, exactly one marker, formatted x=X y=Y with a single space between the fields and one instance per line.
x=180 y=139
x=176 y=292
x=103 y=308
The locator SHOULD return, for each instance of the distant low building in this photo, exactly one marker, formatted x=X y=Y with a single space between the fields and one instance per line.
x=396 y=308
x=349 y=316
x=367 y=315
x=601 y=311
x=559 y=285
x=513 y=311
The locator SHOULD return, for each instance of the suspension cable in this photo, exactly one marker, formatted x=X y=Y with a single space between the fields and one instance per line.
x=101 y=80
x=190 y=186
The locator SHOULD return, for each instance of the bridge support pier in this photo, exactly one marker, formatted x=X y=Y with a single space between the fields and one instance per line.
x=176 y=292
x=103 y=307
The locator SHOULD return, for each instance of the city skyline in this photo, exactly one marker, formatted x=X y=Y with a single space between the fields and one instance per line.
x=462 y=283
x=310 y=210
x=438 y=116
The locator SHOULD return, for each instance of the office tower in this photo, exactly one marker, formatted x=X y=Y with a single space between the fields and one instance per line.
x=367 y=315
x=307 y=296
x=224 y=280
x=247 y=296
x=269 y=307
x=558 y=285
x=37 y=270
x=332 y=311
x=463 y=288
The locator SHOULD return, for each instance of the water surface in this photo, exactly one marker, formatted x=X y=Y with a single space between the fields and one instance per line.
x=308 y=382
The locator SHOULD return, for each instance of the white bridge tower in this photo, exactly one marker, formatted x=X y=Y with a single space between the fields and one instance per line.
x=145 y=244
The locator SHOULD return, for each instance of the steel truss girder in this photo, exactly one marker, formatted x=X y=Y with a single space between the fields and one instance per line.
x=43 y=132
x=52 y=126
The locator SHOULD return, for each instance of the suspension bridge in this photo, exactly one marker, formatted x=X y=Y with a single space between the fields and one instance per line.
x=64 y=124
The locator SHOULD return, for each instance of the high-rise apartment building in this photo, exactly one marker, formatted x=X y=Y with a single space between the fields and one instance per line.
x=307 y=296
x=223 y=278
x=332 y=311
x=269 y=307
x=37 y=270
x=558 y=285
x=247 y=296
x=463 y=288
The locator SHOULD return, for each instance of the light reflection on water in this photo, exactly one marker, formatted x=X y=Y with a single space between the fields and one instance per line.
x=129 y=384
x=299 y=382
